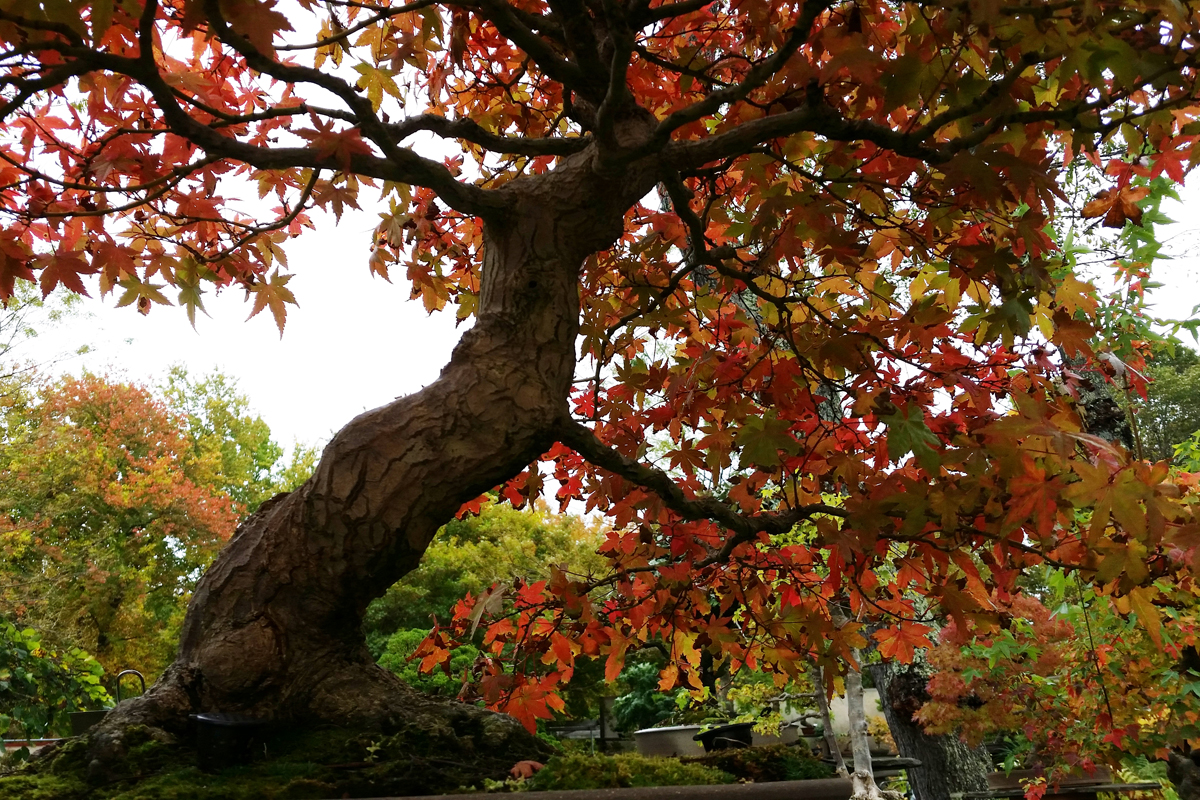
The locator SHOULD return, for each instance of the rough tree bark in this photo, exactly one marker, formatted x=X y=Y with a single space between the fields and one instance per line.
x=1184 y=774
x=948 y=765
x=274 y=626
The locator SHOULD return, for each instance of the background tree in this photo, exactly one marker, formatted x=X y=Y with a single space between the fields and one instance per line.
x=116 y=500
x=232 y=449
x=948 y=765
x=480 y=553
x=1073 y=676
x=745 y=212
x=1170 y=413
x=105 y=531
x=472 y=554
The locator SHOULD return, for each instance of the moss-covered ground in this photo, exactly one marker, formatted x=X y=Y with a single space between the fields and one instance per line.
x=317 y=763
x=770 y=763
x=334 y=763
x=580 y=771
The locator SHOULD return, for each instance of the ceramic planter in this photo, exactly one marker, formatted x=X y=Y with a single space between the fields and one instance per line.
x=672 y=741
x=788 y=734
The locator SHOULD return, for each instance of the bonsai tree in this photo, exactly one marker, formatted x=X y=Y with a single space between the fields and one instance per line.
x=774 y=247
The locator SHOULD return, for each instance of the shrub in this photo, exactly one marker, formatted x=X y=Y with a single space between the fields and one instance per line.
x=777 y=762
x=644 y=704
x=578 y=771
x=401 y=644
x=41 y=685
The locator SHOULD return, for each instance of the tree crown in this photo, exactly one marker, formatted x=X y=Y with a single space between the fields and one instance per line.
x=836 y=249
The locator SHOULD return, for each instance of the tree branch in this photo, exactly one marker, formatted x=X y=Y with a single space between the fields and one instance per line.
x=511 y=26
x=669 y=10
x=408 y=168
x=755 y=78
x=579 y=35
x=353 y=29
x=745 y=528
x=400 y=164
x=473 y=132
x=617 y=96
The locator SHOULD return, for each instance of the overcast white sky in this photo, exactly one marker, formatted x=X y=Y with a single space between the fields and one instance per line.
x=356 y=342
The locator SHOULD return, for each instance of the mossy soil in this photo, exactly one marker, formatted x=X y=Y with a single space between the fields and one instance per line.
x=776 y=762
x=769 y=763
x=334 y=763
x=317 y=763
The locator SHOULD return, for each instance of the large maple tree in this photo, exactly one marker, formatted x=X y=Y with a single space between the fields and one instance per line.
x=773 y=285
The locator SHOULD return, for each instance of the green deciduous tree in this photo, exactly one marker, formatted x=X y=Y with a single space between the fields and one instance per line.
x=469 y=555
x=1170 y=414
x=232 y=448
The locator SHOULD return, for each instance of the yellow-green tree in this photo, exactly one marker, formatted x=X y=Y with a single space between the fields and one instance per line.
x=105 y=527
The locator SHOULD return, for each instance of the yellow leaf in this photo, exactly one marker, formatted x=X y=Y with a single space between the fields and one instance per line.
x=1147 y=614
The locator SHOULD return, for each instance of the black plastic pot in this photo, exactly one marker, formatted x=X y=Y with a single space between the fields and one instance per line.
x=226 y=740
x=726 y=737
x=83 y=721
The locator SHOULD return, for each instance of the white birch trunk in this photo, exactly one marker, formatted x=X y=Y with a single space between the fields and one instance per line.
x=817 y=679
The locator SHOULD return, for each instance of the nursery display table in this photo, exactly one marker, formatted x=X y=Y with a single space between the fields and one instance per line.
x=885 y=766
x=891 y=766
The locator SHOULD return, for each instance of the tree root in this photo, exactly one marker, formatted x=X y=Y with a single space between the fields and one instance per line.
x=399 y=741
x=865 y=788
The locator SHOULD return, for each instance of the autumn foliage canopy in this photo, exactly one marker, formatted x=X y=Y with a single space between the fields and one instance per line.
x=821 y=362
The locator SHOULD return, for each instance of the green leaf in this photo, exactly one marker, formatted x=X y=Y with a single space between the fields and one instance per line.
x=908 y=433
x=761 y=439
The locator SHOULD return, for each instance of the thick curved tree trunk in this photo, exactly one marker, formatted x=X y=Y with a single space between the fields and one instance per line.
x=1184 y=774
x=274 y=627
x=948 y=765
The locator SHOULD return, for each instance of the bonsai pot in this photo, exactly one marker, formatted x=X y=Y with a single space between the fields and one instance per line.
x=726 y=737
x=878 y=748
x=225 y=740
x=676 y=740
x=788 y=734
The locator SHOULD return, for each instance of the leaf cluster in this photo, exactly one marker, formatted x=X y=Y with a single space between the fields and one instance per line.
x=41 y=684
x=1075 y=676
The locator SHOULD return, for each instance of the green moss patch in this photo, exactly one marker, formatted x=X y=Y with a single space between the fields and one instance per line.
x=430 y=756
x=777 y=762
x=578 y=771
